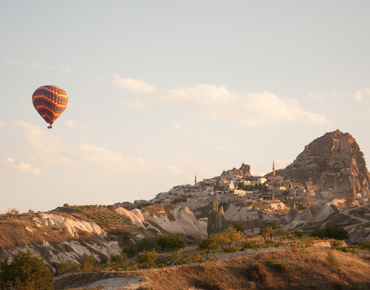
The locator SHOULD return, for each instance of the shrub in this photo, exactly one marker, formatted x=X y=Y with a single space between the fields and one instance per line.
x=298 y=234
x=119 y=260
x=25 y=272
x=147 y=257
x=332 y=232
x=332 y=260
x=129 y=251
x=251 y=245
x=66 y=267
x=88 y=264
x=146 y=244
x=231 y=250
x=257 y=272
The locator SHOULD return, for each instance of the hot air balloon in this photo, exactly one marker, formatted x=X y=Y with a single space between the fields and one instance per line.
x=50 y=102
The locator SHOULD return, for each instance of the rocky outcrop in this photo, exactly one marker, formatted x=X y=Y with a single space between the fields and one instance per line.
x=170 y=218
x=332 y=166
x=243 y=171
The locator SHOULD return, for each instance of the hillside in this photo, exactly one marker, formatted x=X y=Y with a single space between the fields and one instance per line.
x=292 y=268
x=332 y=166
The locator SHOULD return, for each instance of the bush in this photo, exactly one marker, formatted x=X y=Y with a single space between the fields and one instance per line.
x=25 y=272
x=298 y=234
x=88 y=264
x=257 y=272
x=251 y=245
x=146 y=244
x=129 y=251
x=66 y=267
x=332 y=232
x=119 y=260
x=332 y=260
x=147 y=257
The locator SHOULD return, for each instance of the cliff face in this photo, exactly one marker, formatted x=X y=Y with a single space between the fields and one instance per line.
x=332 y=165
x=243 y=171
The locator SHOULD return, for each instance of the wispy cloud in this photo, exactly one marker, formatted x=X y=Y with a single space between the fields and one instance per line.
x=177 y=127
x=360 y=94
x=45 y=148
x=247 y=110
x=73 y=124
x=132 y=84
x=63 y=68
x=3 y=124
x=218 y=102
x=11 y=165
x=114 y=160
x=137 y=105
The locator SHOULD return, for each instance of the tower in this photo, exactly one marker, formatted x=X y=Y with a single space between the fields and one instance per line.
x=195 y=180
x=273 y=168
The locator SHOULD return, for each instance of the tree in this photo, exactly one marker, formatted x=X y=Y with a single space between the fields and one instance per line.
x=178 y=241
x=12 y=213
x=274 y=226
x=147 y=257
x=25 y=272
x=88 y=264
x=119 y=260
x=221 y=239
x=164 y=242
x=66 y=267
x=216 y=220
x=146 y=244
x=332 y=232
x=232 y=234
x=208 y=244
x=239 y=227
x=266 y=231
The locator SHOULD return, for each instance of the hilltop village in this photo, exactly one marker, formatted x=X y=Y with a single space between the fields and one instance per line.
x=233 y=185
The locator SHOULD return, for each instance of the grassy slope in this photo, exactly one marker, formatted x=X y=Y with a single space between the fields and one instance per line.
x=308 y=269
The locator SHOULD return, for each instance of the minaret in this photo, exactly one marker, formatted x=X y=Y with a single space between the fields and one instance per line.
x=273 y=168
x=195 y=180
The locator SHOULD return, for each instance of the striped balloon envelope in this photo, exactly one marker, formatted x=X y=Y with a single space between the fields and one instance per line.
x=50 y=102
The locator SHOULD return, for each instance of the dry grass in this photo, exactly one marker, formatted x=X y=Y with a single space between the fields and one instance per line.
x=307 y=269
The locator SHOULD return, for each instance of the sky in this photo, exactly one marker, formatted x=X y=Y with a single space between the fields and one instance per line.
x=161 y=91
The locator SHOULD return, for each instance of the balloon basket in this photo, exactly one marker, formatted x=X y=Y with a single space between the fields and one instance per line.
x=50 y=127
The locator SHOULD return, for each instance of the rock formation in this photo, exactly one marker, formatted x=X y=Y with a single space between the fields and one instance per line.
x=243 y=171
x=332 y=166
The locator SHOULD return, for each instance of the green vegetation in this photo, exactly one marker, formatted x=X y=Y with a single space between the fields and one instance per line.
x=216 y=221
x=66 y=267
x=25 y=272
x=331 y=232
x=147 y=257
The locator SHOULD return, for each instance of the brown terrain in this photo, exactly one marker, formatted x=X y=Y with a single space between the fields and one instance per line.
x=333 y=165
x=294 y=268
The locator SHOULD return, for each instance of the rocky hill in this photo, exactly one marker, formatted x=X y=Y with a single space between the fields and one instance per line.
x=333 y=166
x=243 y=171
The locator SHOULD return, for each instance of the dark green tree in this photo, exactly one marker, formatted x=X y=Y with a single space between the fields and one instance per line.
x=178 y=241
x=331 y=232
x=164 y=242
x=209 y=244
x=239 y=227
x=216 y=220
x=25 y=272
x=146 y=244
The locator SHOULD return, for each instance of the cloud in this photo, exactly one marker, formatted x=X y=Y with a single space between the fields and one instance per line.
x=64 y=68
x=73 y=124
x=11 y=165
x=114 y=160
x=360 y=94
x=3 y=124
x=138 y=105
x=177 y=127
x=255 y=109
x=133 y=85
x=46 y=148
